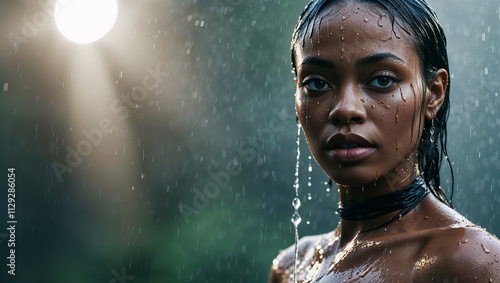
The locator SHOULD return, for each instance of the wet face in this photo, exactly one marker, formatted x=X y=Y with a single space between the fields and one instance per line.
x=359 y=95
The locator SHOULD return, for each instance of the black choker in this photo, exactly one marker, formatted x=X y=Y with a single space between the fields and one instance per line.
x=404 y=200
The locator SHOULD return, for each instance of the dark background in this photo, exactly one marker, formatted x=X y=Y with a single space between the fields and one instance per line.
x=194 y=182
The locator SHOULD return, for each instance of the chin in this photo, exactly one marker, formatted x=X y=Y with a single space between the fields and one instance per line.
x=346 y=178
x=350 y=182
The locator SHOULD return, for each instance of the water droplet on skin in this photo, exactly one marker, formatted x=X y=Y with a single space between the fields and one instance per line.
x=384 y=104
x=363 y=274
x=486 y=250
x=366 y=20
x=378 y=22
x=397 y=35
x=463 y=241
x=363 y=100
x=402 y=97
x=373 y=106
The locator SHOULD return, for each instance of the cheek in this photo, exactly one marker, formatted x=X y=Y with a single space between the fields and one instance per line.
x=402 y=123
x=311 y=111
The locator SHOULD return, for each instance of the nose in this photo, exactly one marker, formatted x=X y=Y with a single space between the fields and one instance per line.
x=348 y=107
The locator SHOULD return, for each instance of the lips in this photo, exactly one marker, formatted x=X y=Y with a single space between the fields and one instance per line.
x=349 y=148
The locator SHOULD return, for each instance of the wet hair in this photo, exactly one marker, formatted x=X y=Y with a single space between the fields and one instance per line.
x=421 y=23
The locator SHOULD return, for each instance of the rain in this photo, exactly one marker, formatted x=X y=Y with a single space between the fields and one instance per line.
x=167 y=150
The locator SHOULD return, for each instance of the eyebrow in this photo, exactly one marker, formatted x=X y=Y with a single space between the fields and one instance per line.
x=310 y=60
x=370 y=59
x=377 y=58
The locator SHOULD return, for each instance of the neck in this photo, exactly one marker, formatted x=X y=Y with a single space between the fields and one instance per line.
x=385 y=185
x=381 y=188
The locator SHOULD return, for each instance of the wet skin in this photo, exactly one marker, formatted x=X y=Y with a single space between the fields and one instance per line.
x=360 y=100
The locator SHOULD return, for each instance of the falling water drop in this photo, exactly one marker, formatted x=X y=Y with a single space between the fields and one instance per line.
x=296 y=204
x=296 y=219
x=309 y=197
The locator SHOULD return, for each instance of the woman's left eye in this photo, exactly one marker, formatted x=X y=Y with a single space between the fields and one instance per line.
x=383 y=82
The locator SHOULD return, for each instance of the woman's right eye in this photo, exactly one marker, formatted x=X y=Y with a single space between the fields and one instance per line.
x=316 y=84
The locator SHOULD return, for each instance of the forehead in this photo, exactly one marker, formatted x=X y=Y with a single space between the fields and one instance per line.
x=350 y=29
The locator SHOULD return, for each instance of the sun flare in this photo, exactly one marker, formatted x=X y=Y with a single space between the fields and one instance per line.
x=85 y=21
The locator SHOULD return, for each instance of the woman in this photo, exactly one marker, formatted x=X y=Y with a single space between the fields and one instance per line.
x=372 y=96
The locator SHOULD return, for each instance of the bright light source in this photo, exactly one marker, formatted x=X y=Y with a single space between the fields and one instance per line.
x=85 y=21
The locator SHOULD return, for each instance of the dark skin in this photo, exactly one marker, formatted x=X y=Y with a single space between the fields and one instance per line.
x=358 y=76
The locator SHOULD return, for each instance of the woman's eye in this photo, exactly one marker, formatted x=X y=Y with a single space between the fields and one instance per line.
x=316 y=84
x=383 y=82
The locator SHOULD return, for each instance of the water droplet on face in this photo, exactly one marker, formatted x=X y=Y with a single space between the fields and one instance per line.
x=402 y=97
x=387 y=106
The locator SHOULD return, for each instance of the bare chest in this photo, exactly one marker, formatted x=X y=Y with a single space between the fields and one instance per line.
x=360 y=262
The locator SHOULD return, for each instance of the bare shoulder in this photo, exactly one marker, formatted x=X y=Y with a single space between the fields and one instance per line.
x=282 y=268
x=461 y=253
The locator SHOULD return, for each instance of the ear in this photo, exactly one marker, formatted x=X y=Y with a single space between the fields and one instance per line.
x=437 y=89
